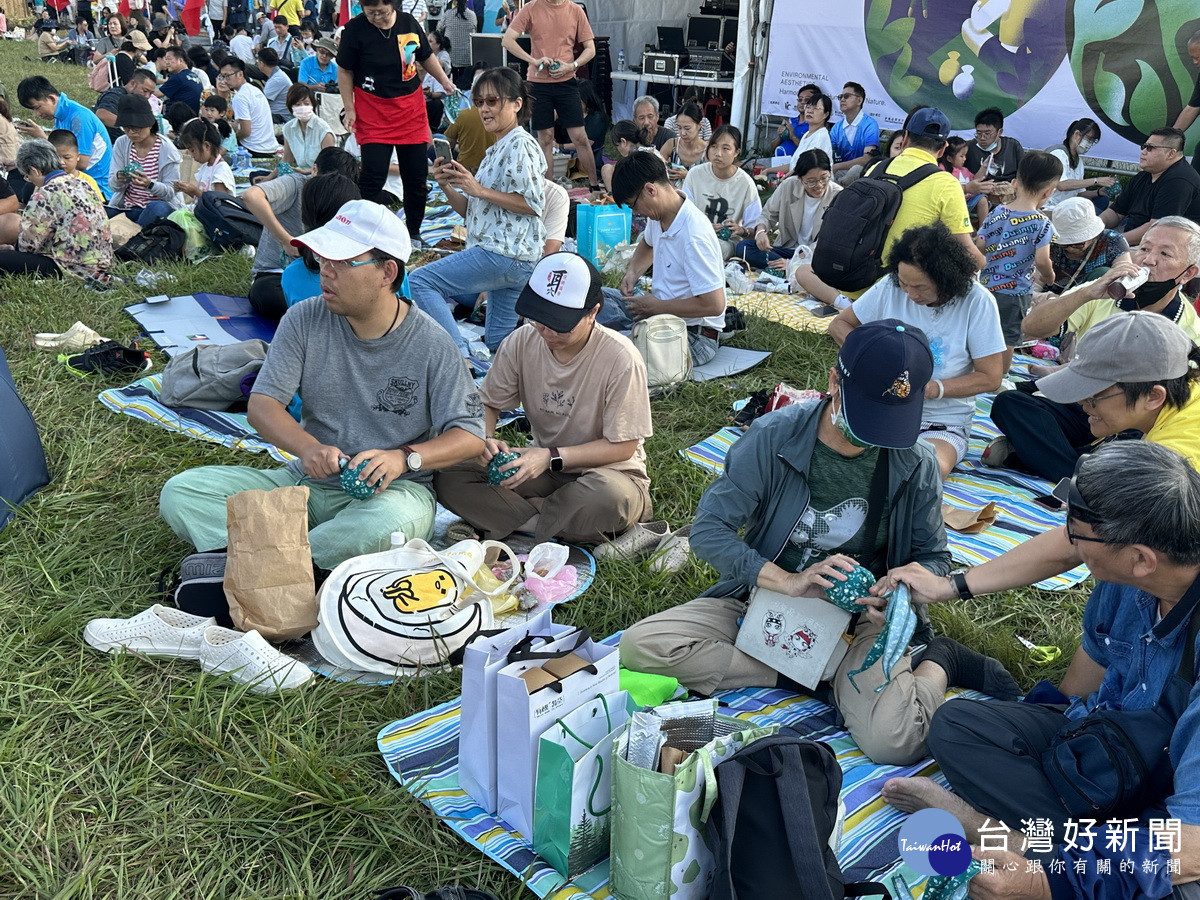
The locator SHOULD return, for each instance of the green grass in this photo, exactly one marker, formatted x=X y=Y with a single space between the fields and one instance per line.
x=128 y=777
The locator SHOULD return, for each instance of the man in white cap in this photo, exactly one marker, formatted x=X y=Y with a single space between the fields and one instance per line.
x=583 y=387
x=382 y=385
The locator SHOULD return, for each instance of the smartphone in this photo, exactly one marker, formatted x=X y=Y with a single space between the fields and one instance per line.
x=441 y=147
x=1049 y=501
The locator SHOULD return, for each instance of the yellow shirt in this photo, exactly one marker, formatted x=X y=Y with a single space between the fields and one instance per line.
x=938 y=198
x=84 y=176
x=291 y=10
x=1095 y=311
x=1179 y=429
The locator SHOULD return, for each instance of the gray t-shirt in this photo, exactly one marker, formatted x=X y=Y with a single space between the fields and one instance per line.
x=284 y=196
x=403 y=388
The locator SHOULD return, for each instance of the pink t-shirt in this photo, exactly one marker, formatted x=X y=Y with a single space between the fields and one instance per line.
x=553 y=31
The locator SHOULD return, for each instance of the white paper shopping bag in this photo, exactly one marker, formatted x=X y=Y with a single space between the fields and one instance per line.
x=522 y=717
x=482 y=659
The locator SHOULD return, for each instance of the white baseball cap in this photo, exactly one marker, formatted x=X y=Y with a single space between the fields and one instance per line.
x=359 y=226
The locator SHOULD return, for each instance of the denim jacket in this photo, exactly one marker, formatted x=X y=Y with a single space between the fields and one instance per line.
x=765 y=490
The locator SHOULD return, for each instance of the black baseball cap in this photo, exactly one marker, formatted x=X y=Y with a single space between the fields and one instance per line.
x=562 y=289
x=884 y=367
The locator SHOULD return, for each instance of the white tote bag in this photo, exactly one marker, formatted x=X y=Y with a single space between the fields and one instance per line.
x=483 y=658
x=522 y=718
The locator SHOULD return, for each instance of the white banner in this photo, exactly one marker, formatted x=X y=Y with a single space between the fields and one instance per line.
x=1044 y=63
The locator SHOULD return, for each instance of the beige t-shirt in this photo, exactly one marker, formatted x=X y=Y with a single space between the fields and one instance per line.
x=553 y=31
x=601 y=393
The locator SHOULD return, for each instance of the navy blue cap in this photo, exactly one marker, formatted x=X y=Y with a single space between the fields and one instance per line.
x=884 y=367
x=929 y=121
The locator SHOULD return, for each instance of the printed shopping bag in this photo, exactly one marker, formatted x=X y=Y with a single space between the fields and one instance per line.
x=599 y=229
x=573 y=790
x=530 y=696
x=659 y=847
x=483 y=658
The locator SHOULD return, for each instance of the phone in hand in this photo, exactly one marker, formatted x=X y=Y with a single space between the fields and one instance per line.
x=441 y=149
x=1050 y=502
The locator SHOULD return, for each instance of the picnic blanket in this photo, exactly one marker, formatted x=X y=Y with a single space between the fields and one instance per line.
x=787 y=309
x=178 y=324
x=232 y=430
x=970 y=486
x=729 y=361
x=421 y=752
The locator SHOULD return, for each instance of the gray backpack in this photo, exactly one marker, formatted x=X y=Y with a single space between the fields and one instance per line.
x=210 y=376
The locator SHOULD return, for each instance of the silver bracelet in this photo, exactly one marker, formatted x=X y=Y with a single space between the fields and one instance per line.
x=941 y=389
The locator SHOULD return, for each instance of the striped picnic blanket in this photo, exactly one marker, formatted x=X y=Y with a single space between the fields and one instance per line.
x=970 y=486
x=140 y=400
x=421 y=752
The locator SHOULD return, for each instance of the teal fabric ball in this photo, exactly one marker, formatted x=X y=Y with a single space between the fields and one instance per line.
x=857 y=584
x=503 y=458
x=351 y=484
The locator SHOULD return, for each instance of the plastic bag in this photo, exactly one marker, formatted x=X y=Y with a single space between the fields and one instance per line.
x=736 y=278
x=547 y=575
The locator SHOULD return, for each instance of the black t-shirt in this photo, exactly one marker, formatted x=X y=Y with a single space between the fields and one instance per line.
x=1195 y=101
x=6 y=190
x=125 y=67
x=384 y=66
x=1176 y=193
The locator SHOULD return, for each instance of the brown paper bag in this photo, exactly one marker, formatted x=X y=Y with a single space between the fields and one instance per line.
x=268 y=573
x=187 y=167
x=969 y=521
x=122 y=229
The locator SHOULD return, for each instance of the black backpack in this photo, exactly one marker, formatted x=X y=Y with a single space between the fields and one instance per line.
x=160 y=241
x=227 y=221
x=777 y=805
x=856 y=224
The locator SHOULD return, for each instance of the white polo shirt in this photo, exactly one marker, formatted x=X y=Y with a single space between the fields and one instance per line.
x=687 y=260
x=250 y=103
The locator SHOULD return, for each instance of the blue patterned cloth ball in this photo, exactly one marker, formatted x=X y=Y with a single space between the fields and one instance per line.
x=359 y=490
x=503 y=458
x=857 y=584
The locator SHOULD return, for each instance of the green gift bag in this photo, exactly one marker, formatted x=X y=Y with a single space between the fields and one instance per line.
x=573 y=789
x=658 y=845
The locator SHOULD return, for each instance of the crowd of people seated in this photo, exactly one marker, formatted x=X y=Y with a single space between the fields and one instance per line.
x=994 y=247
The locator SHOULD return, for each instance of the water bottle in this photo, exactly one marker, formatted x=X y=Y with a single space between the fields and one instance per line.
x=397 y=540
x=620 y=60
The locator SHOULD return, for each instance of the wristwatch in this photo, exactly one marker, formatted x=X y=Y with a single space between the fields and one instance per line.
x=412 y=459
x=556 y=460
x=959 y=580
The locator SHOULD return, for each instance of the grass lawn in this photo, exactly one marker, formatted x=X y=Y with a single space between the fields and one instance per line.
x=127 y=777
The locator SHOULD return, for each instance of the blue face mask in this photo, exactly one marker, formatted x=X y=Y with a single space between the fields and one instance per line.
x=995 y=145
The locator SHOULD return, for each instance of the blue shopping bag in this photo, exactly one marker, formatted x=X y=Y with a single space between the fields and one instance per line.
x=598 y=229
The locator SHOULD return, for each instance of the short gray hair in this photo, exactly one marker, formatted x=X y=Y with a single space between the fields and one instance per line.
x=1193 y=234
x=647 y=100
x=1144 y=493
x=37 y=154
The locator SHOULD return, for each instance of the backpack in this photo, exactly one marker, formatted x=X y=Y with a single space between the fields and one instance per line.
x=103 y=75
x=663 y=343
x=228 y=223
x=777 y=821
x=199 y=588
x=410 y=609
x=209 y=376
x=160 y=241
x=856 y=225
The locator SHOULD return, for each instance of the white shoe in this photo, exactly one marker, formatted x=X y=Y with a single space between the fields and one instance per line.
x=75 y=339
x=158 y=631
x=672 y=552
x=635 y=542
x=248 y=659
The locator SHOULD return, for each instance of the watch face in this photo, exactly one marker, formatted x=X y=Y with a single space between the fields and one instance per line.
x=414 y=461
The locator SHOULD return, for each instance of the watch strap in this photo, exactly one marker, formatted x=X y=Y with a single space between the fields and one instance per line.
x=959 y=579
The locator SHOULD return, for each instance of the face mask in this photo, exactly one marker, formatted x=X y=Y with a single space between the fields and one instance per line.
x=302 y=111
x=993 y=146
x=1152 y=292
x=1086 y=144
x=839 y=422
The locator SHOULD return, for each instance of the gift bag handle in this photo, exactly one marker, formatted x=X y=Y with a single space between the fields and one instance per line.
x=520 y=653
x=591 y=800
x=458 y=569
x=607 y=718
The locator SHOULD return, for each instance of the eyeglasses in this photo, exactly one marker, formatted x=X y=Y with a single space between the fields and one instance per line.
x=986 y=133
x=815 y=182
x=846 y=96
x=338 y=266
x=225 y=76
x=1149 y=147
x=489 y=101
x=1093 y=402
x=1072 y=537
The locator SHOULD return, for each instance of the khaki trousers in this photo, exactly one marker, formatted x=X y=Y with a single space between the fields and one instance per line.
x=587 y=507
x=694 y=642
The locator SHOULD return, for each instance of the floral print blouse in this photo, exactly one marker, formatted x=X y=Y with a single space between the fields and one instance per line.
x=64 y=221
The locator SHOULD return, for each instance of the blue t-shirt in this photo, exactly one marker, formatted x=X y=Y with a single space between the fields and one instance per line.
x=787 y=146
x=1010 y=241
x=185 y=87
x=312 y=73
x=92 y=136
x=866 y=136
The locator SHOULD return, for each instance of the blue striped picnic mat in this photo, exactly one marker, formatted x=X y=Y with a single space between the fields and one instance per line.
x=421 y=752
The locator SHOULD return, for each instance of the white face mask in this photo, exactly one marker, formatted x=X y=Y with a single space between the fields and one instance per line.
x=302 y=111
x=1086 y=144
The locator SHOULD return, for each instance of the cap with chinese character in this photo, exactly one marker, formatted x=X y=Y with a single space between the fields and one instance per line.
x=561 y=291
x=883 y=368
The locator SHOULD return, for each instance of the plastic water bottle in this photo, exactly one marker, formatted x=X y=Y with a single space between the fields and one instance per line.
x=243 y=158
x=397 y=539
x=620 y=60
